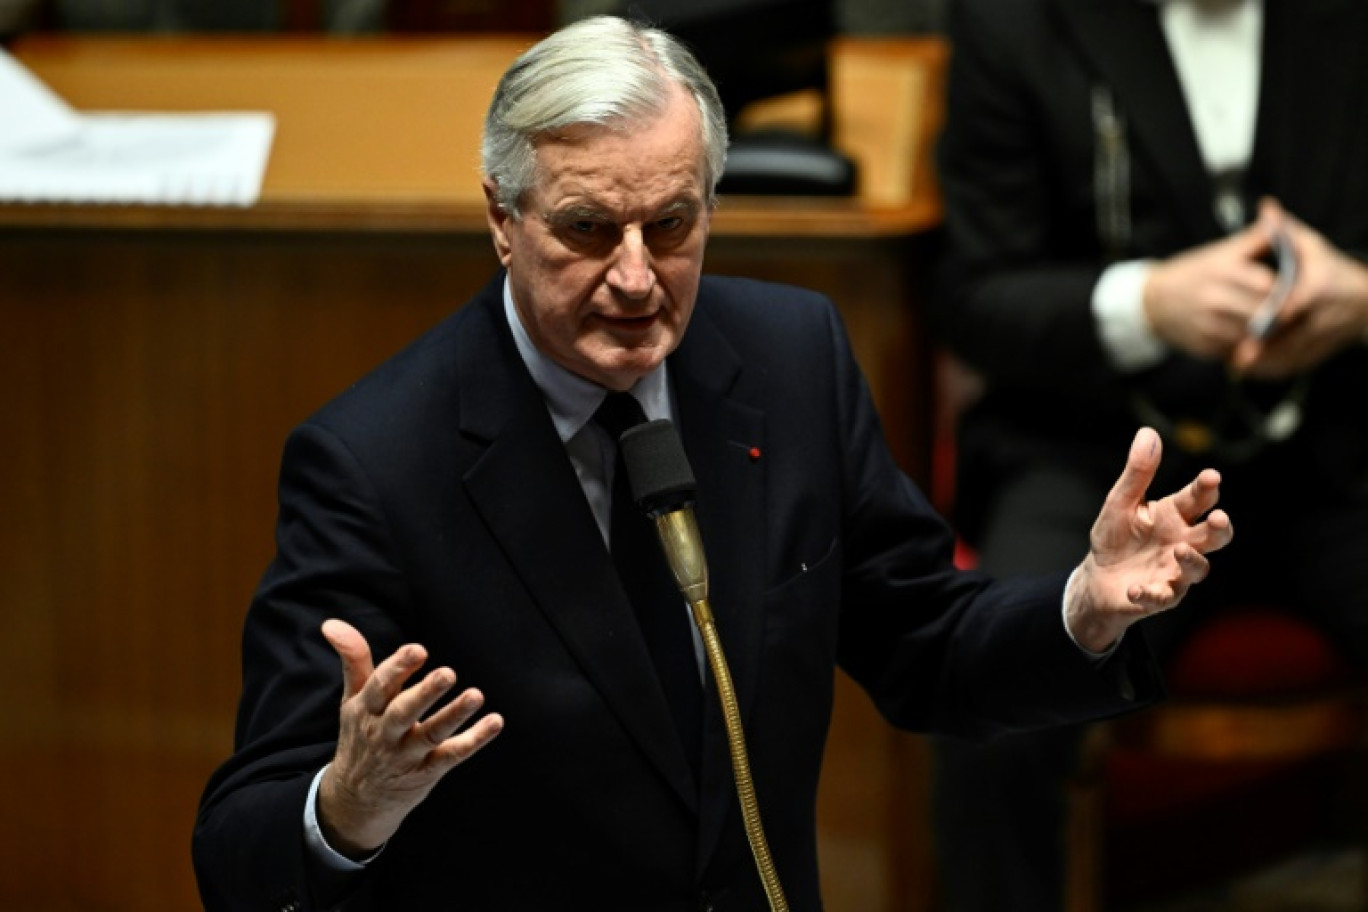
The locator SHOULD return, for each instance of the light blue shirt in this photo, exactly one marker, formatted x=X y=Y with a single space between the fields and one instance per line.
x=572 y=400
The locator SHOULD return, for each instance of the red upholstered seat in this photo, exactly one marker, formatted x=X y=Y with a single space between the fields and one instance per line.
x=1255 y=652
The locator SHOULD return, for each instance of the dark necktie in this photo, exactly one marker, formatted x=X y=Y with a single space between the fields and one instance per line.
x=650 y=587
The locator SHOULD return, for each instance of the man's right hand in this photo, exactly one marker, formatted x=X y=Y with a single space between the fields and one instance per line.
x=1200 y=301
x=388 y=755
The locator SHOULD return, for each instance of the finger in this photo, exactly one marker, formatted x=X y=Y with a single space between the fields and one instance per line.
x=1193 y=567
x=351 y=647
x=388 y=680
x=1157 y=596
x=1272 y=216
x=460 y=748
x=1253 y=241
x=1214 y=533
x=1251 y=281
x=410 y=705
x=1152 y=598
x=1141 y=463
x=1199 y=496
x=1279 y=216
x=448 y=720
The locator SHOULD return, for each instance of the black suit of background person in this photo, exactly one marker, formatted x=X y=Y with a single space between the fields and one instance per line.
x=436 y=510
x=1069 y=147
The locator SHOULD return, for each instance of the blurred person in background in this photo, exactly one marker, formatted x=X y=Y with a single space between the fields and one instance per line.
x=1122 y=181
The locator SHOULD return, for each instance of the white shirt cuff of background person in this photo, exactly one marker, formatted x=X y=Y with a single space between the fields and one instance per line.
x=1118 y=306
x=313 y=836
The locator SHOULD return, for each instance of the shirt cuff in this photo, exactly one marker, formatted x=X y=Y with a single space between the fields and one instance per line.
x=1118 y=306
x=313 y=836
x=1064 y=619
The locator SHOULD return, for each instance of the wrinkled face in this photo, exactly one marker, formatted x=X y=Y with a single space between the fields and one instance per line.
x=604 y=261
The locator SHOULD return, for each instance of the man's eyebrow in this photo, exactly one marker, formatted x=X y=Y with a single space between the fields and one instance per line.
x=687 y=205
x=576 y=211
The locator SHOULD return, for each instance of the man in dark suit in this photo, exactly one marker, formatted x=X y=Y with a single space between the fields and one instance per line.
x=1115 y=174
x=449 y=513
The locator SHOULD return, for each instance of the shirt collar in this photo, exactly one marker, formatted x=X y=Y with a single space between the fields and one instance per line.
x=570 y=398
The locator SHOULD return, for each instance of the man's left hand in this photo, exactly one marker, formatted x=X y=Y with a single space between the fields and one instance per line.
x=1144 y=554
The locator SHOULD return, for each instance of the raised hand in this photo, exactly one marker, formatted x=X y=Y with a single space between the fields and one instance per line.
x=389 y=756
x=1144 y=553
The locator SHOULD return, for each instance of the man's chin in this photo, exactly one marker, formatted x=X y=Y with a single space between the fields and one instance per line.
x=621 y=369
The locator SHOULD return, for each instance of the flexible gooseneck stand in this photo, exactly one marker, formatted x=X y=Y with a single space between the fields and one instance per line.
x=663 y=485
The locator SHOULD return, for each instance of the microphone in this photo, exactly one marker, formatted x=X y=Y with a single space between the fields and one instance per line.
x=663 y=486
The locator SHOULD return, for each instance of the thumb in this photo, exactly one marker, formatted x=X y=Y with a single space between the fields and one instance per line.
x=1255 y=240
x=354 y=651
x=1141 y=464
x=1271 y=215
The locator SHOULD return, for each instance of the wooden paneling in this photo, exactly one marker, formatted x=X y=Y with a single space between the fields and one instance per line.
x=152 y=380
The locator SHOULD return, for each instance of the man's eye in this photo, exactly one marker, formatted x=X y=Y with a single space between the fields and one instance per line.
x=670 y=223
x=584 y=226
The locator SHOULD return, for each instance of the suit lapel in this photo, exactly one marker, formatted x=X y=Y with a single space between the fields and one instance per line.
x=525 y=488
x=720 y=432
x=1121 y=41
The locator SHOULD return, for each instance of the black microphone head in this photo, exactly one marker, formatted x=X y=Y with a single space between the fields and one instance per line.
x=657 y=468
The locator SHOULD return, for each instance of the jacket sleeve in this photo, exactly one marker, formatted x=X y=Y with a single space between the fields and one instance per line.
x=939 y=649
x=333 y=560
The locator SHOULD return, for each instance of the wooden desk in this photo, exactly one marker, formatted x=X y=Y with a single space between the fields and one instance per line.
x=156 y=358
x=384 y=135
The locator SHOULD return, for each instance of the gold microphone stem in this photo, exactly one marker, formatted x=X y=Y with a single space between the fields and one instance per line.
x=683 y=546
x=736 y=740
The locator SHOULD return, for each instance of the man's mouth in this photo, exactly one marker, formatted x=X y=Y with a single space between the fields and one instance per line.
x=646 y=321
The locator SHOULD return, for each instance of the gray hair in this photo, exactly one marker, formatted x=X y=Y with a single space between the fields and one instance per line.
x=604 y=71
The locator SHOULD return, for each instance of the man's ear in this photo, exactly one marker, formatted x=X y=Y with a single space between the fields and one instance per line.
x=498 y=219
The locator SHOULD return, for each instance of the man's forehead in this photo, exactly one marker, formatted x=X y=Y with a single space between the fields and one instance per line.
x=619 y=174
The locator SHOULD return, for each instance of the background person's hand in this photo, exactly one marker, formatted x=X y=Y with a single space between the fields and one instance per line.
x=1144 y=554
x=1200 y=301
x=1325 y=312
x=389 y=756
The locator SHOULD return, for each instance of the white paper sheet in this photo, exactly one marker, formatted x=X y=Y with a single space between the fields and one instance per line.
x=51 y=153
x=31 y=115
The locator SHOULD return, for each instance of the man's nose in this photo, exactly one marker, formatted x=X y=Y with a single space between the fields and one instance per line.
x=631 y=273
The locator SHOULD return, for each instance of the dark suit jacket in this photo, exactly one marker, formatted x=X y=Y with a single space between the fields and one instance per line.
x=1023 y=251
x=433 y=502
